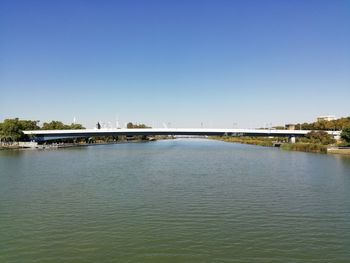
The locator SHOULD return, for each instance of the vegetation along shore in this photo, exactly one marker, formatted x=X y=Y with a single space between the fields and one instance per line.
x=316 y=141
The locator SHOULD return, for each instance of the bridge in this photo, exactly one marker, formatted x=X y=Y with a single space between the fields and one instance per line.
x=46 y=135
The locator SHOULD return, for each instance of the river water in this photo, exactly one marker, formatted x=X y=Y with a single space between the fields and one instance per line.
x=185 y=200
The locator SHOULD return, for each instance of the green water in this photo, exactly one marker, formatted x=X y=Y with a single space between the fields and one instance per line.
x=174 y=201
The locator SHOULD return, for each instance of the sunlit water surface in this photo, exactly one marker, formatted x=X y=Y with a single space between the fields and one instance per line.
x=174 y=201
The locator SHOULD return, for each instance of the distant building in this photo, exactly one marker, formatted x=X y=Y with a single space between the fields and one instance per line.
x=290 y=126
x=326 y=118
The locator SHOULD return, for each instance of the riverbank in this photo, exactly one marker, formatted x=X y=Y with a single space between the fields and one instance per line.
x=272 y=142
x=305 y=147
x=339 y=150
x=56 y=145
x=64 y=145
x=9 y=146
x=266 y=142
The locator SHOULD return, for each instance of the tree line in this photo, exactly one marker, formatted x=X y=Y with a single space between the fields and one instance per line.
x=341 y=124
x=338 y=124
x=11 y=130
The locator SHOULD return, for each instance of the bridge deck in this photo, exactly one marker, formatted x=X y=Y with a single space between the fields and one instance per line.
x=56 y=134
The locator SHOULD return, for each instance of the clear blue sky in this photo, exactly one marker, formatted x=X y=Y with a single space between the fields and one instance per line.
x=181 y=62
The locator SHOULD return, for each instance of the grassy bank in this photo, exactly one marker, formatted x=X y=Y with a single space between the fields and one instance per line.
x=266 y=142
x=305 y=147
x=269 y=142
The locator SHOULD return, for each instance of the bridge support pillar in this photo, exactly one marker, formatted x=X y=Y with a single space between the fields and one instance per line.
x=292 y=139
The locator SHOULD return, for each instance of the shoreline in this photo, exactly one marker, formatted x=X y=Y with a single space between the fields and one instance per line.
x=36 y=146
x=299 y=147
x=66 y=145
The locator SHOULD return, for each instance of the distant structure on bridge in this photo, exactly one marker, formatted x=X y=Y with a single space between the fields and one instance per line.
x=290 y=127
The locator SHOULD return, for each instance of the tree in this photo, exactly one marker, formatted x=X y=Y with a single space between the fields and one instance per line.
x=54 y=125
x=345 y=134
x=76 y=126
x=11 y=130
x=58 y=125
x=320 y=137
x=130 y=125
x=27 y=125
x=1 y=132
x=141 y=126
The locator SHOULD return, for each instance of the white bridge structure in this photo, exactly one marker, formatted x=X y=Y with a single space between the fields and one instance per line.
x=46 y=135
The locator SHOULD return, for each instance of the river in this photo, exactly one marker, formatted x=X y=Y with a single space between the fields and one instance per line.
x=184 y=200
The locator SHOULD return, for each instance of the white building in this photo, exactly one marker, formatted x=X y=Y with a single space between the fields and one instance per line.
x=326 y=118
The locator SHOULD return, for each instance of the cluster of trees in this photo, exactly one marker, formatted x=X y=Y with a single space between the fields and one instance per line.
x=345 y=135
x=11 y=130
x=322 y=137
x=342 y=124
x=58 y=125
x=338 y=124
x=318 y=137
x=130 y=125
